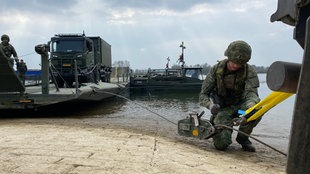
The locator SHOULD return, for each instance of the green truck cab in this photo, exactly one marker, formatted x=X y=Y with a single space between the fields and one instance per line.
x=91 y=55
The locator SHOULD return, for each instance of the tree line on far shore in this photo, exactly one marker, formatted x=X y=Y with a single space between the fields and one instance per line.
x=205 y=68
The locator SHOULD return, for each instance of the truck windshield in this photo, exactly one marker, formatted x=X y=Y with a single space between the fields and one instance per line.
x=68 y=46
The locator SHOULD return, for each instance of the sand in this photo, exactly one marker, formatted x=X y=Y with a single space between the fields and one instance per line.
x=80 y=146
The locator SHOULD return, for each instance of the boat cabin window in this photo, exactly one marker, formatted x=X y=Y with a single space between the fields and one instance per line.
x=193 y=73
x=164 y=72
x=174 y=73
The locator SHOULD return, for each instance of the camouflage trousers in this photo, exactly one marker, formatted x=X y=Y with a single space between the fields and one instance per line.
x=22 y=77
x=223 y=139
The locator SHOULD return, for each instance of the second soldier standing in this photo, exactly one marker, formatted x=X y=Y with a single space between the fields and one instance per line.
x=22 y=69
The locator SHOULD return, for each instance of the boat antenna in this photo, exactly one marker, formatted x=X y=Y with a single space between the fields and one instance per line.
x=181 y=58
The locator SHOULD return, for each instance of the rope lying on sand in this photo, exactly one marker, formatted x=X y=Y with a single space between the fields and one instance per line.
x=218 y=126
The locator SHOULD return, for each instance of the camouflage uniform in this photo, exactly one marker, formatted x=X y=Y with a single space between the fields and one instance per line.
x=7 y=50
x=22 y=68
x=232 y=90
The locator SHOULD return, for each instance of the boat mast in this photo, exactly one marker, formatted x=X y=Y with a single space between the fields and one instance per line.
x=181 y=58
x=167 y=64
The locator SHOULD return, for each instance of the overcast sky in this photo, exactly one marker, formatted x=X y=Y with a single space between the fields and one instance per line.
x=146 y=32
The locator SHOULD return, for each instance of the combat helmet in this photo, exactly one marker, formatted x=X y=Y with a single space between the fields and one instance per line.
x=238 y=52
x=5 y=36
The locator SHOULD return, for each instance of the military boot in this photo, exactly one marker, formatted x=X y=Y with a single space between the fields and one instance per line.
x=246 y=144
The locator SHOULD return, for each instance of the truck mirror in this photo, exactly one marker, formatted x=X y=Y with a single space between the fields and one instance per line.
x=48 y=46
x=89 y=46
x=41 y=49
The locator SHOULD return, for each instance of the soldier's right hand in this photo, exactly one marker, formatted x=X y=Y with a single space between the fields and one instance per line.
x=239 y=121
x=214 y=108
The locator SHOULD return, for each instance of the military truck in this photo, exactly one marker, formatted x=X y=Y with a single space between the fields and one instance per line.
x=76 y=58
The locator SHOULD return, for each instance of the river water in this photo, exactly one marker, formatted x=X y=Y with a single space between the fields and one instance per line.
x=160 y=112
x=274 y=129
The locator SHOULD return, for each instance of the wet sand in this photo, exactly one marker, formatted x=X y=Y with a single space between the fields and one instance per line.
x=96 y=145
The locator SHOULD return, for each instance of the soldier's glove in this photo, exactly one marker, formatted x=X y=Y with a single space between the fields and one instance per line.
x=239 y=121
x=214 y=108
x=250 y=104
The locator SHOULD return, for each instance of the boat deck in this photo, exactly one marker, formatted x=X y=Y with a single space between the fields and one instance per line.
x=13 y=95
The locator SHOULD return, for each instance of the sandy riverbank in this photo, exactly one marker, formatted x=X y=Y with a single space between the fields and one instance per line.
x=82 y=146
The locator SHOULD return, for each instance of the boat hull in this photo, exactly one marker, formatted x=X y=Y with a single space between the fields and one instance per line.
x=33 y=97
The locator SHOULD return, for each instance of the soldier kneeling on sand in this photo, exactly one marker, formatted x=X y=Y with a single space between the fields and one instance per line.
x=234 y=83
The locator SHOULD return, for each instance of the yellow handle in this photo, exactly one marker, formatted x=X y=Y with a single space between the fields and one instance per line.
x=265 y=105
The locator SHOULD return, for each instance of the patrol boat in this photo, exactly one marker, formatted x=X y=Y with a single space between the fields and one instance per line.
x=158 y=79
x=183 y=78
x=13 y=95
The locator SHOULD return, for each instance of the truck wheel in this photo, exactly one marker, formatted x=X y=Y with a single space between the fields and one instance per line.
x=96 y=75
x=91 y=78
x=69 y=83
x=60 y=83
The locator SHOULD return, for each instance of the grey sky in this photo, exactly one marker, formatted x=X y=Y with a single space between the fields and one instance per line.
x=146 y=32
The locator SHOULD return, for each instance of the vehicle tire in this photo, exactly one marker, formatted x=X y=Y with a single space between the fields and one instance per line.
x=60 y=83
x=69 y=83
x=90 y=78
